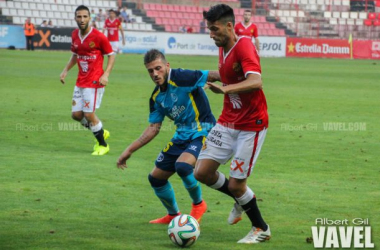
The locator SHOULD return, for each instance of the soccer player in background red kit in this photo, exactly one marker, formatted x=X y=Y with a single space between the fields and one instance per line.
x=248 y=28
x=241 y=128
x=112 y=25
x=88 y=47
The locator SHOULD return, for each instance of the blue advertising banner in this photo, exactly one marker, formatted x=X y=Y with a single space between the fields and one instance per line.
x=11 y=35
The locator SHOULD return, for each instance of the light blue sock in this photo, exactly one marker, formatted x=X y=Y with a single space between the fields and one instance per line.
x=166 y=195
x=185 y=171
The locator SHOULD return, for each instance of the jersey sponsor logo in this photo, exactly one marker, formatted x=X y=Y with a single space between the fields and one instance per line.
x=236 y=67
x=236 y=101
x=176 y=111
x=236 y=165
x=160 y=157
x=92 y=45
x=84 y=66
x=87 y=58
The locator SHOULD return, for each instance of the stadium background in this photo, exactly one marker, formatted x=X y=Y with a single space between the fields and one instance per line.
x=319 y=159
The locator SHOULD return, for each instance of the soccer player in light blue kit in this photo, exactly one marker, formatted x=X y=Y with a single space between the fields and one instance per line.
x=178 y=95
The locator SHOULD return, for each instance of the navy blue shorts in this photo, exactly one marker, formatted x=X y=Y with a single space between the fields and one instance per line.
x=169 y=155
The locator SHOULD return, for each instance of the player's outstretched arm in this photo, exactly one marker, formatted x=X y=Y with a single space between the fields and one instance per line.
x=148 y=135
x=213 y=76
x=104 y=78
x=69 y=65
x=251 y=83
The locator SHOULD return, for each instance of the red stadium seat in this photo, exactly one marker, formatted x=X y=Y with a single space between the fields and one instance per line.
x=378 y=3
x=376 y=22
x=372 y=16
x=158 y=7
x=176 y=8
x=152 y=6
x=159 y=20
x=367 y=22
x=165 y=7
x=378 y=16
x=146 y=6
x=182 y=8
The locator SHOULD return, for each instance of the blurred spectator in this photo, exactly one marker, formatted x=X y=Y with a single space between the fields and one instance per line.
x=44 y=24
x=29 y=31
x=93 y=15
x=93 y=24
x=101 y=17
x=202 y=28
x=50 y=24
x=182 y=29
x=189 y=30
x=124 y=15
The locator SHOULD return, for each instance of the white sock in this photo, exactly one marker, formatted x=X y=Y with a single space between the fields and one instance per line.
x=246 y=197
x=97 y=127
x=219 y=183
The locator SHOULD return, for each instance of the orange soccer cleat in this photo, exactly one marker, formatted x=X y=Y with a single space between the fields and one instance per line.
x=197 y=211
x=164 y=220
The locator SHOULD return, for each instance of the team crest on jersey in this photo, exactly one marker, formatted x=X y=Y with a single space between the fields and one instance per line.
x=174 y=97
x=73 y=103
x=236 y=67
x=252 y=31
x=204 y=146
x=92 y=45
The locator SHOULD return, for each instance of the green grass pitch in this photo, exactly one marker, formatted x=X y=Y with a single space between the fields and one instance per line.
x=319 y=160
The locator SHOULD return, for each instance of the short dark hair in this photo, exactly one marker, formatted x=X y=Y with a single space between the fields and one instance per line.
x=112 y=10
x=250 y=11
x=82 y=7
x=220 y=12
x=152 y=55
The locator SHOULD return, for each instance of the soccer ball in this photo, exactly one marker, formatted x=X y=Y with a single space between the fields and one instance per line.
x=184 y=230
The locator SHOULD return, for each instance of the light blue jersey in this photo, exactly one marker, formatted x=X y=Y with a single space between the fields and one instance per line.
x=185 y=102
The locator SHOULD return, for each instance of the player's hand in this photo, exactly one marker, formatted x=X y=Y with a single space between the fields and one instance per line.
x=122 y=161
x=217 y=89
x=63 y=76
x=103 y=80
x=123 y=42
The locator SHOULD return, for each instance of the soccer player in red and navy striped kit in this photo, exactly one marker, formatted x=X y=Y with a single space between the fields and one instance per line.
x=88 y=48
x=240 y=131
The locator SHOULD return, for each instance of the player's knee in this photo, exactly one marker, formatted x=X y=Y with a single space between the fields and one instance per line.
x=77 y=116
x=183 y=169
x=201 y=175
x=154 y=182
x=236 y=190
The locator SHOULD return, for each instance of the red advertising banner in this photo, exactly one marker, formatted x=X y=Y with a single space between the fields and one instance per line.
x=325 y=48
x=366 y=49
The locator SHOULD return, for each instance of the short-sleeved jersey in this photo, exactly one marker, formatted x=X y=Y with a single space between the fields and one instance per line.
x=185 y=102
x=243 y=111
x=112 y=29
x=89 y=51
x=250 y=30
